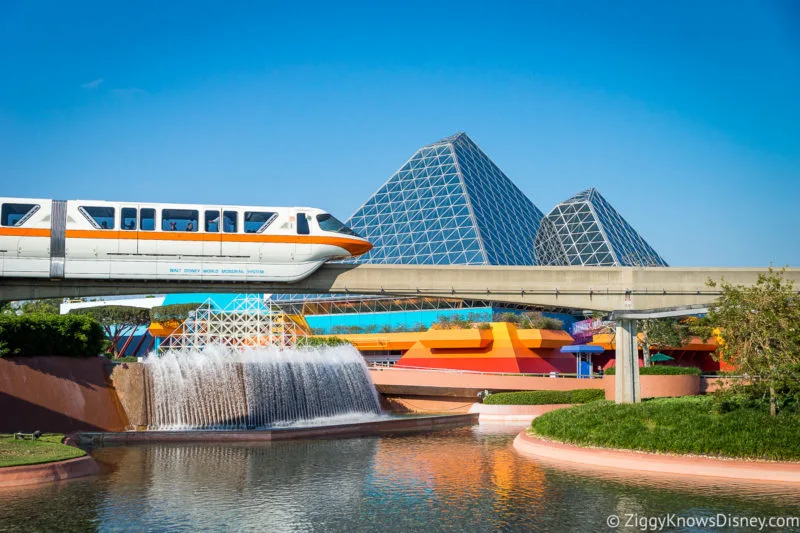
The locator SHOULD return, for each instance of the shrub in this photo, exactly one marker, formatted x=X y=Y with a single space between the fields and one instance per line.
x=47 y=334
x=545 y=397
x=319 y=342
x=661 y=371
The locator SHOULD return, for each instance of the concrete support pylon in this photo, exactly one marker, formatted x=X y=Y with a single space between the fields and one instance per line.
x=627 y=386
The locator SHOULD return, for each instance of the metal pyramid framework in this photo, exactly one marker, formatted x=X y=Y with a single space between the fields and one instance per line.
x=587 y=231
x=448 y=204
x=247 y=322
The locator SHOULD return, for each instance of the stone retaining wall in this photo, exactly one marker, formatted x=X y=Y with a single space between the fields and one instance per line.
x=58 y=394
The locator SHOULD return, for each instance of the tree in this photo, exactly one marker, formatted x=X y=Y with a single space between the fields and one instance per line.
x=6 y=308
x=118 y=321
x=173 y=313
x=758 y=331
x=662 y=333
x=50 y=307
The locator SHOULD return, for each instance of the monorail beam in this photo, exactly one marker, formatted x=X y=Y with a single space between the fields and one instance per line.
x=596 y=288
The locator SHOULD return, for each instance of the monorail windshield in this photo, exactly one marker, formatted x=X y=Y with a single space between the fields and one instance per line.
x=331 y=223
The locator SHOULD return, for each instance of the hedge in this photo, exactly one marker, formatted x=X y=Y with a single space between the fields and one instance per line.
x=545 y=397
x=661 y=371
x=46 y=334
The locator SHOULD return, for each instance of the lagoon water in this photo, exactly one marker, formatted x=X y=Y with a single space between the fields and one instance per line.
x=467 y=479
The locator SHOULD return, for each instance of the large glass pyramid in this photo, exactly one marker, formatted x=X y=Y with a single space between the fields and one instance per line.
x=448 y=204
x=587 y=231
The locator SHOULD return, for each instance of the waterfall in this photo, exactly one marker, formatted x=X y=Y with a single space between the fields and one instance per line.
x=219 y=388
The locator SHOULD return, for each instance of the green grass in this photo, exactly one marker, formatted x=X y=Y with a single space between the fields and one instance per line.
x=29 y=452
x=661 y=370
x=545 y=397
x=688 y=425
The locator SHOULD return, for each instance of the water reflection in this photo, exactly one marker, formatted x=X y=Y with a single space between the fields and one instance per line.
x=460 y=480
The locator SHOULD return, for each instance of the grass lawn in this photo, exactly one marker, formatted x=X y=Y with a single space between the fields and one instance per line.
x=685 y=425
x=545 y=397
x=28 y=452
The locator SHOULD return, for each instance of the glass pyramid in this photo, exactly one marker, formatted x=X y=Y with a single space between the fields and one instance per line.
x=448 y=204
x=587 y=231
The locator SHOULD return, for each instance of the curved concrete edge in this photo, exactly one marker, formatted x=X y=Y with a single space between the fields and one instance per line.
x=17 y=476
x=761 y=471
x=513 y=413
x=359 y=429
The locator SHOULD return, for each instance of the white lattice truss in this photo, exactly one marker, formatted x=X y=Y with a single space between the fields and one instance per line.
x=246 y=323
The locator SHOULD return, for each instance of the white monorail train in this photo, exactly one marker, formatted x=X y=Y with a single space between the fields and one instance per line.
x=124 y=240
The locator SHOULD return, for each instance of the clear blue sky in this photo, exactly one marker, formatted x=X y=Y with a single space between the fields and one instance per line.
x=685 y=115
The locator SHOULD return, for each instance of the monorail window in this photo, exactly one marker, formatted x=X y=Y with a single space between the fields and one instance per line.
x=230 y=220
x=147 y=219
x=257 y=221
x=302 y=224
x=17 y=214
x=179 y=219
x=128 y=215
x=212 y=221
x=101 y=217
x=331 y=223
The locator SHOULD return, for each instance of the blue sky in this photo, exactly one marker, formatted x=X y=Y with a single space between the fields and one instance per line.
x=685 y=115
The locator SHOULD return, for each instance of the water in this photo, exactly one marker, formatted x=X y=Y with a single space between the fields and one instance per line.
x=264 y=387
x=467 y=479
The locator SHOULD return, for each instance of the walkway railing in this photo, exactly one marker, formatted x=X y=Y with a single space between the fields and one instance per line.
x=387 y=366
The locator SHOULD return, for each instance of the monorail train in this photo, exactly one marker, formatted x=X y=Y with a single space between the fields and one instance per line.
x=124 y=240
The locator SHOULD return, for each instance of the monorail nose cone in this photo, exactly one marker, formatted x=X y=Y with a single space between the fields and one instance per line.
x=359 y=248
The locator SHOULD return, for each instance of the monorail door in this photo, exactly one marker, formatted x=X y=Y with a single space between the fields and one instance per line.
x=302 y=247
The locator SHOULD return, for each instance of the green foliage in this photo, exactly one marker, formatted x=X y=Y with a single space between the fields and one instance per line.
x=117 y=321
x=760 y=335
x=126 y=359
x=688 y=425
x=470 y=321
x=45 y=449
x=545 y=397
x=50 y=307
x=162 y=314
x=532 y=320
x=662 y=333
x=320 y=342
x=661 y=370
x=6 y=308
x=32 y=335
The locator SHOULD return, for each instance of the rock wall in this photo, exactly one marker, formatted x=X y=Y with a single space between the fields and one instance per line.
x=58 y=394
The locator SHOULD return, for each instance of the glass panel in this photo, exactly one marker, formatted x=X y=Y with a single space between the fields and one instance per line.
x=302 y=224
x=330 y=223
x=100 y=217
x=17 y=214
x=147 y=219
x=179 y=219
x=230 y=220
x=257 y=221
x=212 y=221
x=128 y=215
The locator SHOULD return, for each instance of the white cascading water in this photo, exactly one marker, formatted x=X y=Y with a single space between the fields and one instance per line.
x=218 y=388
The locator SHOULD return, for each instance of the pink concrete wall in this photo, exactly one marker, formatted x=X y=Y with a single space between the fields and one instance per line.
x=58 y=394
x=466 y=380
x=659 y=386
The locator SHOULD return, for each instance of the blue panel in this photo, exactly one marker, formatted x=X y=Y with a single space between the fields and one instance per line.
x=393 y=319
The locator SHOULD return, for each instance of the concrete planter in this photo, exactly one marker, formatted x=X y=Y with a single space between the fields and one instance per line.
x=659 y=386
x=513 y=413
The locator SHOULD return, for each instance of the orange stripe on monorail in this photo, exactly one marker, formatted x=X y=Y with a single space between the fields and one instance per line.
x=24 y=232
x=356 y=247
